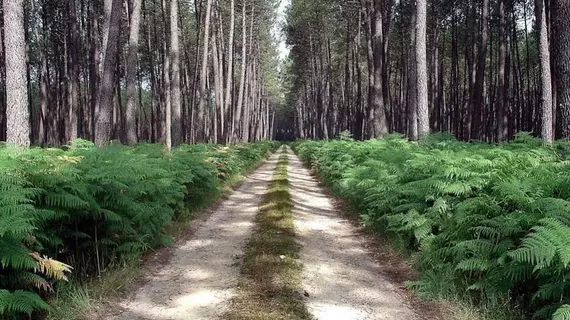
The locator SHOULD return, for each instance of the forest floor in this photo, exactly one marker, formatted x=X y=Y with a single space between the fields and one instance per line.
x=344 y=275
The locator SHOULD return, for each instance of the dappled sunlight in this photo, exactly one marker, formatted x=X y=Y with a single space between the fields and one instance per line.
x=200 y=279
x=341 y=277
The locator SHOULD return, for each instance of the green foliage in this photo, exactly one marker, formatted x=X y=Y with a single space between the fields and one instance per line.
x=488 y=222
x=88 y=208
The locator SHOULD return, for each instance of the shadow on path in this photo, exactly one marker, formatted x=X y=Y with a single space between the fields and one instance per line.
x=199 y=281
x=343 y=280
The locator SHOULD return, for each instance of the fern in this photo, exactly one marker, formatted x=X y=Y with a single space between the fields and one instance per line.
x=562 y=313
x=21 y=301
x=78 y=210
x=494 y=220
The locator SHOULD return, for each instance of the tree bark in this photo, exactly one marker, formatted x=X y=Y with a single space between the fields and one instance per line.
x=421 y=65
x=74 y=80
x=131 y=112
x=17 y=112
x=230 y=71
x=176 y=94
x=380 y=126
x=502 y=98
x=478 y=100
x=167 y=92
x=412 y=83
x=106 y=91
x=561 y=28
x=239 y=106
x=203 y=97
x=545 y=78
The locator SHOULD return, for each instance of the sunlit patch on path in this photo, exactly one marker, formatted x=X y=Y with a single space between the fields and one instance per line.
x=342 y=280
x=201 y=278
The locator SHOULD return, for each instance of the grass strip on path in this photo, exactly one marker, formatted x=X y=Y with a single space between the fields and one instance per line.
x=270 y=281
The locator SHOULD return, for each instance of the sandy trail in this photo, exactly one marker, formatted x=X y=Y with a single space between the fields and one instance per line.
x=343 y=280
x=199 y=281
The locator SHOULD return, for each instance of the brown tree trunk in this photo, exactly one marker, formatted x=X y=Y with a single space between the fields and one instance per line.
x=478 y=100
x=131 y=112
x=561 y=28
x=380 y=125
x=502 y=97
x=74 y=81
x=106 y=91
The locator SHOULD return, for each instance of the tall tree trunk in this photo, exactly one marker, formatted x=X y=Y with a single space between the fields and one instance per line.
x=44 y=83
x=74 y=82
x=17 y=112
x=368 y=129
x=546 y=81
x=106 y=91
x=203 y=97
x=176 y=94
x=239 y=106
x=561 y=28
x=380 y=125
x=230 y=72
x=421 y=65
x=167 y=92
x=94 y=72
x=502 y=98
x=217 y=67
x=131 y=112
x=478 y=100
x=412 y=83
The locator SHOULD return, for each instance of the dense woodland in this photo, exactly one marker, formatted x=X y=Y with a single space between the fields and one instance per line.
x=138 y=70
x=490 y=69
x=486 y=222
x=208 y=71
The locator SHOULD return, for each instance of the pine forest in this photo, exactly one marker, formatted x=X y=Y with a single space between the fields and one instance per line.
x=217 y=155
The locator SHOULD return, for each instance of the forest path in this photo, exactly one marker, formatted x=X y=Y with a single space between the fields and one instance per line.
x=199 y=281
x=341 y=277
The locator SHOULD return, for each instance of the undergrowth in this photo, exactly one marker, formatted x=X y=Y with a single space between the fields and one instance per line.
x=81 y=211
x=487 y=223
x=269 y=286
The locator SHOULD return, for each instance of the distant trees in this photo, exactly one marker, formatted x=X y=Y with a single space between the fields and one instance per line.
x=137 y=70
x=476 y=72
x=207 y=71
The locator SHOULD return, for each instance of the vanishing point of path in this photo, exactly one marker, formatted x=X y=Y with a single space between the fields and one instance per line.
x=340 y=278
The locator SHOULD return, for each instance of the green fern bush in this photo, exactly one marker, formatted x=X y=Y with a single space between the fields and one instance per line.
x=80 y=210
x=492 y=222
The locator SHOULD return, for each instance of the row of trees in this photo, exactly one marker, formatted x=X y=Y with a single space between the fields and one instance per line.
x=137 y=70
x=492 y=67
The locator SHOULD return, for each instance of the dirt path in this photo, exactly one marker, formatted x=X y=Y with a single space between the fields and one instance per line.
x=342 y=279
x=200 y=280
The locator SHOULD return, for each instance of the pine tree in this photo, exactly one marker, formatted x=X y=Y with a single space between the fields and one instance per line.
x=18 y=116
